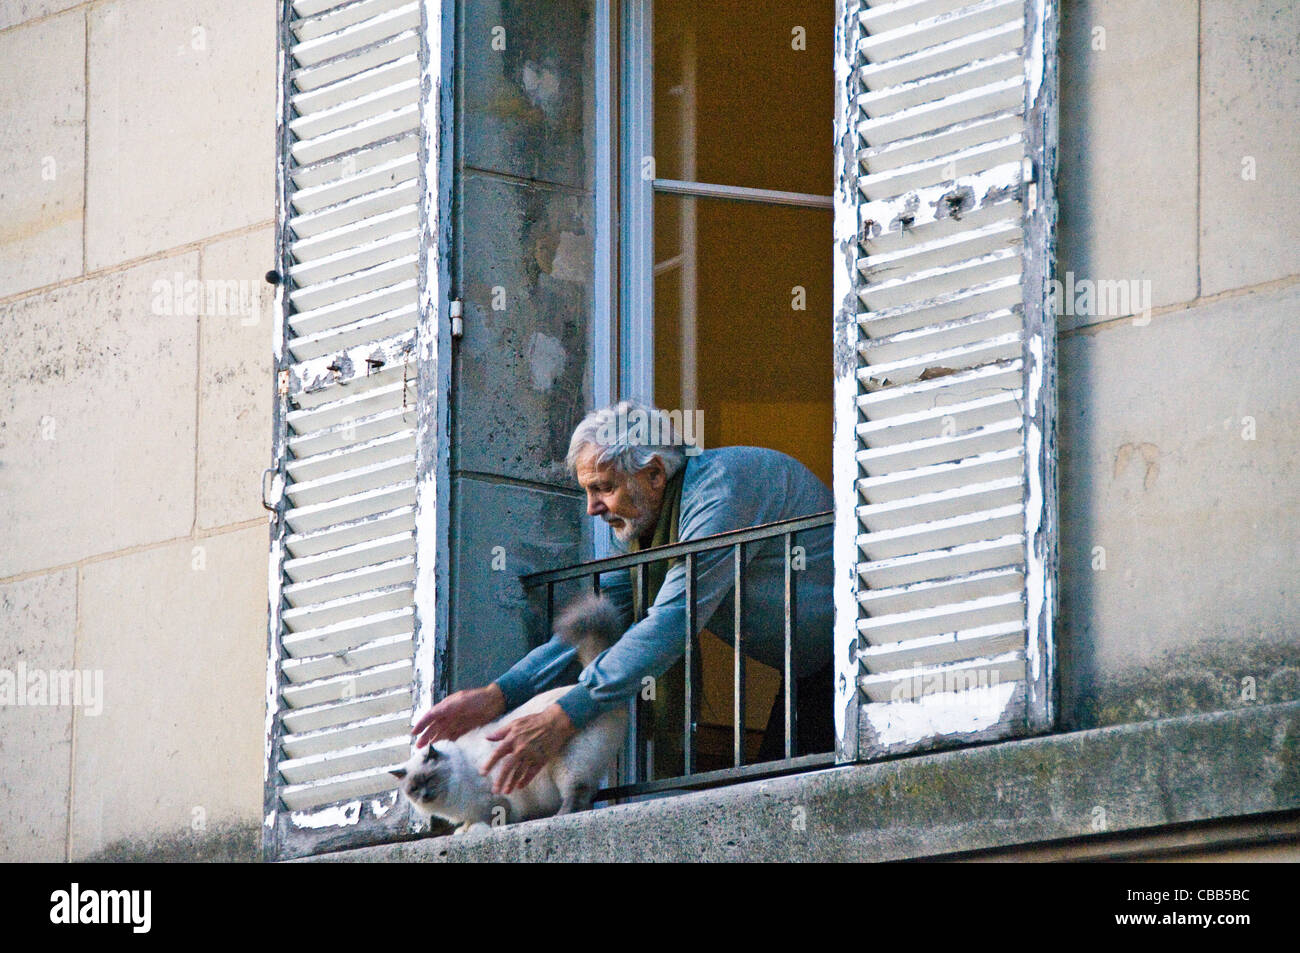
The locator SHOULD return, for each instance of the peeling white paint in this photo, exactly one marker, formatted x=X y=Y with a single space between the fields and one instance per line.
x=542 y=86
x=546 y=360
x=1035 y=62
x=341 y=815
x=572 y=260
x=952 y=713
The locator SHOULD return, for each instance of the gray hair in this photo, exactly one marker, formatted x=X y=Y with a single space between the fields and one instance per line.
x=629 y=436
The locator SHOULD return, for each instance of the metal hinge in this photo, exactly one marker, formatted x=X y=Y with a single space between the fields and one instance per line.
x=457 y=319
x=1029 y=174
x=274 y=493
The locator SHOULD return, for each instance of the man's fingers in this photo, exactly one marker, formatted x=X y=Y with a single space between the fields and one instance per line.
x=500 y=752
x=423 y=722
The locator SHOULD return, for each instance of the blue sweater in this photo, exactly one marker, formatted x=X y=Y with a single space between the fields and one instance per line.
x=724 y=489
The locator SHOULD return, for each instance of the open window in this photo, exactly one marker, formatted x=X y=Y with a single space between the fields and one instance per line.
x=727 y=181
x=913 y=367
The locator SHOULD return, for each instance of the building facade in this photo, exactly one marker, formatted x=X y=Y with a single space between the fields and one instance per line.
x=145 y=401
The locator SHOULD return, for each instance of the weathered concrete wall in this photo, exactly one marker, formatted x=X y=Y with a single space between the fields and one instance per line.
x=523 y=369
x=136 y=160
x=1180 y=516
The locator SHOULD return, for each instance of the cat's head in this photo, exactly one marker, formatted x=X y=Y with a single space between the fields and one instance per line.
x=426 y=778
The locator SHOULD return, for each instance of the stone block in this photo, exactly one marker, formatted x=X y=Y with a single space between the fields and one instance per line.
x=523 y=366
x=1178 y=453
x=1250 y=125
x=38 y=616
x=179 y=632
x=182 y=123
x=235 y=380
x=97 y=410
x=42 y=151
x=529 y=91
x=1127 y=172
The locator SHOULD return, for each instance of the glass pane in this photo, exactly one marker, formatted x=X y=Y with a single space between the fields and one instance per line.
x=744 y=93
x=743 y=323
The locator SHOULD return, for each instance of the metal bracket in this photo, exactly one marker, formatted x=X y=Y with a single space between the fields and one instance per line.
x=457 y=319
x=276 y=489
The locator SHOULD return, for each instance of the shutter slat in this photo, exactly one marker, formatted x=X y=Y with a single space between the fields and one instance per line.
x=316 y=376
x=353 y=37
x=350 y=634
x=928 y=507
x=351 y=532
x=345 y=688
x=340 y=610
x=394 y=648
x=333 y=714
x=939 y=627
x=932 y=592
x=963 y=678
x=385 y=754
x=942 y=476
x=352 y=173
x=350 y=557
x=346 y=736
x=330 y=16
x=358 y=784
x=350 y=582
x=922 y=34
x=939 y=564
x=938 y=419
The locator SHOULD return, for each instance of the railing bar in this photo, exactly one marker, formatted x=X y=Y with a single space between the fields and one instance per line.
x=550 y=608
x=644 y=722
x=656 y=553
x=688 y=729
x=789 y=646
x=738 y=693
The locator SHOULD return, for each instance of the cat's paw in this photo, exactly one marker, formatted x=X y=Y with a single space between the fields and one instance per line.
x=478 y=827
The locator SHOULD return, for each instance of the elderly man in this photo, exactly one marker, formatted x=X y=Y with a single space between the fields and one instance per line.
x=642 y=481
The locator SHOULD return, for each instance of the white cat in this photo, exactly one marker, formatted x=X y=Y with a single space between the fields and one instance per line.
x=443 y=780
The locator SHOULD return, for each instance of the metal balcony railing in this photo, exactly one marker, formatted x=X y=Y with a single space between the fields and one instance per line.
x=636 y=769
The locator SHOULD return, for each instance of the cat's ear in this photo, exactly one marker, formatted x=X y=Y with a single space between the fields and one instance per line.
x=432 y=754
x=398 y=773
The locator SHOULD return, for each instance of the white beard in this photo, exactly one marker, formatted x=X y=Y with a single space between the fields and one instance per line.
x=636 y=526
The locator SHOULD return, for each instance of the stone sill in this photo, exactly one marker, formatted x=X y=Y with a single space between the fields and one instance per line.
x=1091 y=784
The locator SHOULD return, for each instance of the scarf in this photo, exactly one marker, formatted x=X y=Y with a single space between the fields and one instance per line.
x=665 y=534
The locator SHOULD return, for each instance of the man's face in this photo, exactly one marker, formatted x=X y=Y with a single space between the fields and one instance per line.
x=628 y=503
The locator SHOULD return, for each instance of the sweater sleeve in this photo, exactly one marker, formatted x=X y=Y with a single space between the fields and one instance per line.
x=544 y=665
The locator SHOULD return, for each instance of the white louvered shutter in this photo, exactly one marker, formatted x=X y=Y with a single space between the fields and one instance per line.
x=355 y=359
x=945 y=372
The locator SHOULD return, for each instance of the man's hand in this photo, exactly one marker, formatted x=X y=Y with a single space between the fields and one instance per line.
x=526 y=745
x=456 y=714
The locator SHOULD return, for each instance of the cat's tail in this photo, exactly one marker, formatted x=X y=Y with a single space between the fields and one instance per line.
x=590 y=625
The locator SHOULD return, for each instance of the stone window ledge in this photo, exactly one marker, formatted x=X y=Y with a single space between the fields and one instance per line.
x=1091 y=784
